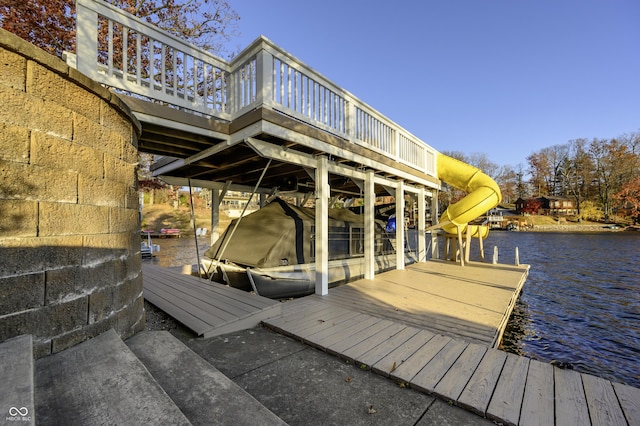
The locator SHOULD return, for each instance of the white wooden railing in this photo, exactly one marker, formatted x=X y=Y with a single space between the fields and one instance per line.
x=122 y=51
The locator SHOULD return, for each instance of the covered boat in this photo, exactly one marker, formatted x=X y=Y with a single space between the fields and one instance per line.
x=272 y=251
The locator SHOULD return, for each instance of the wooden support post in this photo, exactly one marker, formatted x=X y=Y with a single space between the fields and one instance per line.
x=467 y=246
x=495 y=255
x=459 y=228
x=400 y=225
x=435 y=250
x=517 y=257
x=422 y=243
x=480 y=244
x=369 y=226
x=215 y=215
x=322 y=227
x=447 y=246
x=87 y=40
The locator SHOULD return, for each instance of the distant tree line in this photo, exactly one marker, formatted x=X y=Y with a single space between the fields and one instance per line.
x=602 y=176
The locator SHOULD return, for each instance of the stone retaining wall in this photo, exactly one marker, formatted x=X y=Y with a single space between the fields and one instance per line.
x=69 y=221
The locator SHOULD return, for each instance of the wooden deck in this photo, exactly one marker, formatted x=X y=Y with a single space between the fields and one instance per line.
x=472 y=302
x=503 y=387
x=207 y=309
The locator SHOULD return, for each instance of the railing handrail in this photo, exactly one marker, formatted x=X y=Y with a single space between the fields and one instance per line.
x=109 y=11
x=262 y=74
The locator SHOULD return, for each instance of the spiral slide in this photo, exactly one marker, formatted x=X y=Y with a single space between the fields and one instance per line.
x=483 y=194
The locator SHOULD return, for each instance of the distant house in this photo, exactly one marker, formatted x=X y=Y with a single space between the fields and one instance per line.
x=548 y=205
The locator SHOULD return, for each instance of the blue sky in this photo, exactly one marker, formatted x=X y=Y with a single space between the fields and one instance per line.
x=505 y=78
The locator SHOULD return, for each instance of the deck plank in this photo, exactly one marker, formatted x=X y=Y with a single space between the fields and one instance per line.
x=439 y=296
x=218 y=295
x=506 y=401
x=478 y=391
x=198 y=301
x=330 y=323
x=570 y=401
x=191 y=321
x=456 y=379
x=228 y=300
x=604 y=407
x=297 y=321
x=435 y=370
x=356 y=352
x=329 y=329
x=407 y=370
x=352 y=332
x=629 y=398
x=291 y=322
x=212 y=288
x=381 y=350
x=437 y=323
x=204 y=308
x=343 y=345
x=402 y=352
x=193 y=305
x=537 y=405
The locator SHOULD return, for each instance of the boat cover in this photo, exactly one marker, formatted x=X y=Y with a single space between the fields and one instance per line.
x=281 y=234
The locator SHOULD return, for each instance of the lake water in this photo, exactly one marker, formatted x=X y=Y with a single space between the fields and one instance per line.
x=580 y=306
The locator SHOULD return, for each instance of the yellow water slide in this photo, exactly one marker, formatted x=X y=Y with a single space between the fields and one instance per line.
x=483 y=194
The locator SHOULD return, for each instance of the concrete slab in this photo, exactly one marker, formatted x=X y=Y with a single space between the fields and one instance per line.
x=235 y=354
x=16 y=370
x=443 y=414
x=305 y=386
x=100 y=382
x=203 y=394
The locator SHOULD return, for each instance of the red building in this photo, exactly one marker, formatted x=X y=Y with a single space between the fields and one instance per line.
x=548 y=205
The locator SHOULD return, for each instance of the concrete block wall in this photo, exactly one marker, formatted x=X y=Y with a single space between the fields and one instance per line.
x=69 y=221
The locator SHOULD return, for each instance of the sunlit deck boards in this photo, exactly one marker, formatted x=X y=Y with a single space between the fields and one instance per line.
x=207 y=309
x=503 y=387
x=472 y=302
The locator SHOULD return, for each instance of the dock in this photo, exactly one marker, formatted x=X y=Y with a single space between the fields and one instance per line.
x=433 y=326
x=473 y=302
x=208 y=309
x=503 y=387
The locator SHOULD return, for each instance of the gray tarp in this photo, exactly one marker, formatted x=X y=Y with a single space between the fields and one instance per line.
x=281 y=232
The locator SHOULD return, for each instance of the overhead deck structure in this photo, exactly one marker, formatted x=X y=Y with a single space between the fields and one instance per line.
x=263 y=122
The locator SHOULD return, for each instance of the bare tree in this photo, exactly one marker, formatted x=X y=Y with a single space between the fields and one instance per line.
x=50 y=24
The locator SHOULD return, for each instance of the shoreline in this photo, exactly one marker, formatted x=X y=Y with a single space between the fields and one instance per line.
x=578 y=228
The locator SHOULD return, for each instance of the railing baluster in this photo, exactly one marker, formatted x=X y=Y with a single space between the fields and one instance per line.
x=265 y=76
x=196 y=95
x=288 y=105
x=152 y=64
x=125 y=59
x=174 y=71
x=139 y=59
x=110 y=47
x=163 y=73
